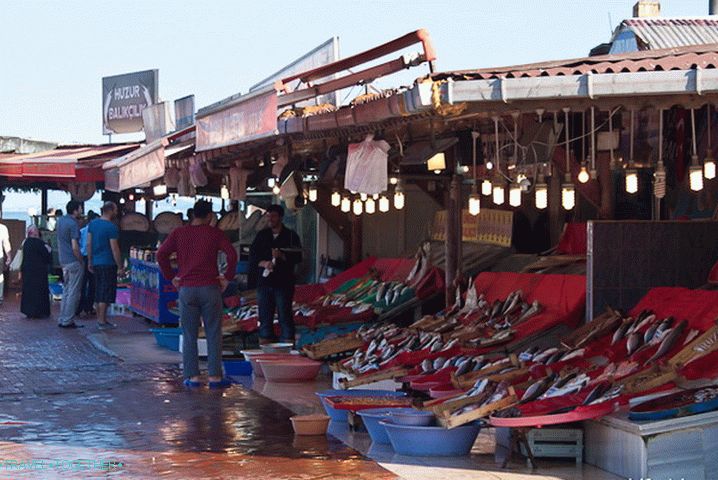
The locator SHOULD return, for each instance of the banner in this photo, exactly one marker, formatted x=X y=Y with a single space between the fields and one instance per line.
x=489 y=226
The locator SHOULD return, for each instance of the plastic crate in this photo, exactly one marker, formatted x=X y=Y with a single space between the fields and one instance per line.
x=168 y=337
x=237 y=366
x=556 y=443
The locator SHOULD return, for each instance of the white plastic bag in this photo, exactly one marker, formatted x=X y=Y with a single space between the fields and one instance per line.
x=366 y=170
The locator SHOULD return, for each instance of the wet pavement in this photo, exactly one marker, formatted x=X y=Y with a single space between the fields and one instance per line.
x=70 y=410
x=89 y=404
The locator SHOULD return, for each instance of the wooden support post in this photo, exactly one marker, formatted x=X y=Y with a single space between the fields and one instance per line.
x=43 y=201
x=356 y=244
x=453 y=235
x=555 y=210
x=149 y=206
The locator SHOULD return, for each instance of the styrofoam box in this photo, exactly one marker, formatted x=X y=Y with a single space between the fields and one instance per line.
x=380 y=385
x=201 y=347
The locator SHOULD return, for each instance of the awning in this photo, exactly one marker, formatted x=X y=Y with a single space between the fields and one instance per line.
x=137 y=168
x=76 y=163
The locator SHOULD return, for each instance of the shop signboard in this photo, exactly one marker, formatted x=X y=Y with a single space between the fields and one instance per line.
x=124 y=97
x=157 y=121
x=489 y=226
x=324 y=54
x=237 y=120
x=184 y=112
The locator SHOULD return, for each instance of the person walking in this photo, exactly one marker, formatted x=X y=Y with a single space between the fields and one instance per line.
x=68 y=246
x=275 y=252
x=87 y=289
x=36 y=258
x=200 y=290
x=4 y=258
x=105 y=259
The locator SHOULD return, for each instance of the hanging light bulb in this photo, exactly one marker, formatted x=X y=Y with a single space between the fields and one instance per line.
x=276 y=189
x=631 y=181
x=498 y=192
x=363 y=196
x=375 y=196
x=393 y=180
x=398 y=197
x=486 y=187
x=583 y=176
x=312 y=192
x=122 y=201
x=383 y=204
x=659 y=177
x=346 y=205
x=709 y=167
x=437 y=163
x=357 y=207
x=695 y=174
x=131 y=197
x=489 y=165
x=271 y=181
x=541 y=193
x=568 y=194
x=515 y=195
x=224 y=192
x=370 y=206
x=336 y=199
x=474 y=201
x=159 y=190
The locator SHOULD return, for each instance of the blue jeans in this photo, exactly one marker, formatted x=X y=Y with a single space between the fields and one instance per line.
x=279 y=298
x=204 y=302
x=71 y=282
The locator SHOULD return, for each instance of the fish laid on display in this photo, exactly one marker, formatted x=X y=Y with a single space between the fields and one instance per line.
x=439 y=363
x=380 y=292
x=648 y=336
x=635 y=340
x=647 y=320
x=610 y=394
x=528 y=355
x=691 y=336
x=597 y=392
x=427 y=366
x=621 y=332
x=707 y=344
x=663 y=327
x=706 y=394
x=570 y=355
x=534 y=309
x=538 y=388
x=437 y=346
x=671 y=337
x=465 y=367
x=543 y=356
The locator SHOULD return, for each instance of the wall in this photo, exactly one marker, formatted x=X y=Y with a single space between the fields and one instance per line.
x=398 y=232
x=627 y=258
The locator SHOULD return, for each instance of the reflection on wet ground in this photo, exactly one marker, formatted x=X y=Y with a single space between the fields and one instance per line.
x=70 y=411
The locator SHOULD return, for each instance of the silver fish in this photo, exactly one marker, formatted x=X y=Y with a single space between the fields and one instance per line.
x=621 y=332
x=668 y=342
x=597 y=392
x=648 y=336
x=380 y=292
x=439 y=363
x=427 y=366
x=533 y=310
x=465 y=367
x=635 y=340
x=437 y=346
x=538 y=388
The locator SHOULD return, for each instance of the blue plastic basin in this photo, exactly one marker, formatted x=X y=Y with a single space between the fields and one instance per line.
x=411 y=416
x=236 y=366
x=429 y=441
x=371 y=418
x=341 y=415
x=167 y=337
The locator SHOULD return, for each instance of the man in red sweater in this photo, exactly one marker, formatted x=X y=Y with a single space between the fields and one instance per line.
x=200 y=290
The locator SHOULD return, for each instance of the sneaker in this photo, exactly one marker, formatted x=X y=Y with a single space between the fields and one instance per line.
x=70 y=325
x=224 y=383
x=106 y=326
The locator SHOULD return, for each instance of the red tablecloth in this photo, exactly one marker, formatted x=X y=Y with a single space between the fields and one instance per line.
x=562 y=296
x=713 y=276
x=573 y=240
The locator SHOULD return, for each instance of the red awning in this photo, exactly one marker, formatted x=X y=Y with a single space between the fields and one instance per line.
x=77 y=163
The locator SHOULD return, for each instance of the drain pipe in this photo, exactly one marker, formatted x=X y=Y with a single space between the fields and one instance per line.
x=712 y=7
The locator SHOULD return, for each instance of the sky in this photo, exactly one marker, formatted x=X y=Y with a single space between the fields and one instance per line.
x=53 y=54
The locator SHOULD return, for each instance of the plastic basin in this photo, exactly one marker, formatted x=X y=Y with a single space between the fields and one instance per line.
x=341 y=415
x=236 y=366
x=430 y=441
x=310 y=424
x=289 y=370
x=277 y=347
x=257 y=368
x=444 y=391
x=411 y=416
x=371 y=419
x=167 y=337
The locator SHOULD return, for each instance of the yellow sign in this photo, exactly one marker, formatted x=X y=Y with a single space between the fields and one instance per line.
x=489 y=226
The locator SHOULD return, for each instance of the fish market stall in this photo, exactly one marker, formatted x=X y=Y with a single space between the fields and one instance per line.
x=151 y=296
x=377 y=288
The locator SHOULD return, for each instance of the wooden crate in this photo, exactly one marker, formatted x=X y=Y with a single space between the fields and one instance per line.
x=481 y=412
x=333 y=346
x=375 y=377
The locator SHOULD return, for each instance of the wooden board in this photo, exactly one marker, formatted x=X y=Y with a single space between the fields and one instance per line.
x=688 y=353
x=333 y=346
x=481 y=412
x=375 y=377
x=591 y=330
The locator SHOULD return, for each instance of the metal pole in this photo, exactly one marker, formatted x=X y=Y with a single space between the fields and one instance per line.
x=713 y=7
x=453 y=236
x=43 y=201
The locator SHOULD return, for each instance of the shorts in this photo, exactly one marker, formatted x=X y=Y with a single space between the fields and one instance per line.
x=105 y=283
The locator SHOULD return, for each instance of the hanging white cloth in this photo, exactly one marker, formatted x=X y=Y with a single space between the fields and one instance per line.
x=366 y=170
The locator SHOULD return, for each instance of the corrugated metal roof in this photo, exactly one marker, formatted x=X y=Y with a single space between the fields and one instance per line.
x=679 y=58
x=658 y=33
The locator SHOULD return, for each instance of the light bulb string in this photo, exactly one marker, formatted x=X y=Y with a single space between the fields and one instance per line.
x=693 y=131
x=630 y=155
x=660 y=137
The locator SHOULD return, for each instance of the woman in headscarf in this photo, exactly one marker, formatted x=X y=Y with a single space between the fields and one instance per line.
x=36 y=258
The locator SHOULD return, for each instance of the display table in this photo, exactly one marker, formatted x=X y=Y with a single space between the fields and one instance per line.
x=151 y=296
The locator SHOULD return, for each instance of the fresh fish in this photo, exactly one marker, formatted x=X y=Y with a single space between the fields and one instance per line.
x=427 y=366
x=415 y=269
x=538 y=388
x=691 y=336
x=388 y=296
x=527 y=355
x=648 y=336
x=647 y=320
x=395 y=297
x=380 y=292
x=372 y=348
x=404 y=290
x=561 y=382
x=465 y=367
x=570 y=355
x=635 y=340
x=671 y=337
x=597 y=392
x=706 y=345
x=439 y=363
x=495 y=309
x=662 y=328
x=612 y=393
x=621 y=332
x=451 y=343
x=543 y=356
x=554 y=358
x=437 y=346
x=512 y=302
x=534 y=309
